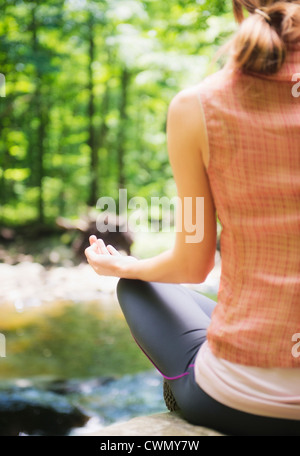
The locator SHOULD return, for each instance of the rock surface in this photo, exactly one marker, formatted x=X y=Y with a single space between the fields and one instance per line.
x=35 y=412
x=163 y=424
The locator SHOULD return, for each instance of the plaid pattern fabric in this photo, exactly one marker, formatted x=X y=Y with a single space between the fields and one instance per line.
x=253 y=126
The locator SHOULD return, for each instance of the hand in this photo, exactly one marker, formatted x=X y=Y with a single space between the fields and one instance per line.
x=107 y=261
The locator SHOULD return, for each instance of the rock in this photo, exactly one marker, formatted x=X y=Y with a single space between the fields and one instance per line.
x=33 y=412
x=163 y=424
x=65 y=387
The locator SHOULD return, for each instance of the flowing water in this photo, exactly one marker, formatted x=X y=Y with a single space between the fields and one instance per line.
x=77 y=354
x=70 y=358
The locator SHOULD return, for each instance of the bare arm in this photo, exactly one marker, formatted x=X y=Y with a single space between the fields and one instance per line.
x=186 y=262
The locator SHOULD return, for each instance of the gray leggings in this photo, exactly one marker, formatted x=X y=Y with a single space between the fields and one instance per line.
x=169 y=323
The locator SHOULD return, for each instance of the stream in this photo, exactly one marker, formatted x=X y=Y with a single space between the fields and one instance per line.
x=71 y=365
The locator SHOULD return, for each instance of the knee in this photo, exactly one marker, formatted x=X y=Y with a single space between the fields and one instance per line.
x=121 y=286
x=131 y=295
x=128 y=288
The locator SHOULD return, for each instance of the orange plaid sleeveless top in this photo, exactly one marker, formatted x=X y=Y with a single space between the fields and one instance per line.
x=253 y=126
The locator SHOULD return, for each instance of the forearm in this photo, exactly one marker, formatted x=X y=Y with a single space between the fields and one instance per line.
x=166 y=268
x=173 y=266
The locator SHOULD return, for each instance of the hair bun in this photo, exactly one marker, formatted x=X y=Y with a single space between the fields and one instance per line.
x=263 y=14
x=260 y=45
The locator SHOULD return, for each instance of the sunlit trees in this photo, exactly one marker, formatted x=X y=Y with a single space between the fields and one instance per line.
x=87 y=92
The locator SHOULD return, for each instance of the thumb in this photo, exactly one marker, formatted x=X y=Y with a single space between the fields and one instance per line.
x=91 y=254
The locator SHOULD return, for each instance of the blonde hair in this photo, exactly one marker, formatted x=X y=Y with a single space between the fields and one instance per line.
x=260 y=45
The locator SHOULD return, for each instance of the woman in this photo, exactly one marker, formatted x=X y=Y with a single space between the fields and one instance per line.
x=234 y=139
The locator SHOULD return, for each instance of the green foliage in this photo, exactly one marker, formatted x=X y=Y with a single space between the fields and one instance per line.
x=88 y=85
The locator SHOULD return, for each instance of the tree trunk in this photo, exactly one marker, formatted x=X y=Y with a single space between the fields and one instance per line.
x=41 y=135
x=3 y=187
x=125 y=78
x=41 y=130
x=94 y=159
x=104 y=170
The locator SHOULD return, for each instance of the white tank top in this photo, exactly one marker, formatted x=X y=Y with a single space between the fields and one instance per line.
x=272 y=392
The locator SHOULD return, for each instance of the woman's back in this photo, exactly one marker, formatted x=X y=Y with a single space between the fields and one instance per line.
x=253 y=126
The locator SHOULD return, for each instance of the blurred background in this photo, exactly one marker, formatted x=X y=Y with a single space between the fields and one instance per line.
x=83 y=114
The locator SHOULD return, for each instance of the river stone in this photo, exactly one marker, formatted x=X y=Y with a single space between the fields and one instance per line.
x=163 y=424
x=34 y=412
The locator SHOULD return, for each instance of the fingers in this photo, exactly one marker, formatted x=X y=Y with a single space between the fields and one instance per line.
x=112 y=250
x=92 y=239
x=100 y=247
x=91 y=254
x=93 y=242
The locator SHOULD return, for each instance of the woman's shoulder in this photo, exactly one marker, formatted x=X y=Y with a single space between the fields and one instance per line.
x=187 y=98
x=184 y=101
x=219 y=80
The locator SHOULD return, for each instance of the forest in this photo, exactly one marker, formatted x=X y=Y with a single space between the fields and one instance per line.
x=85 y=92
x=85 y=87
